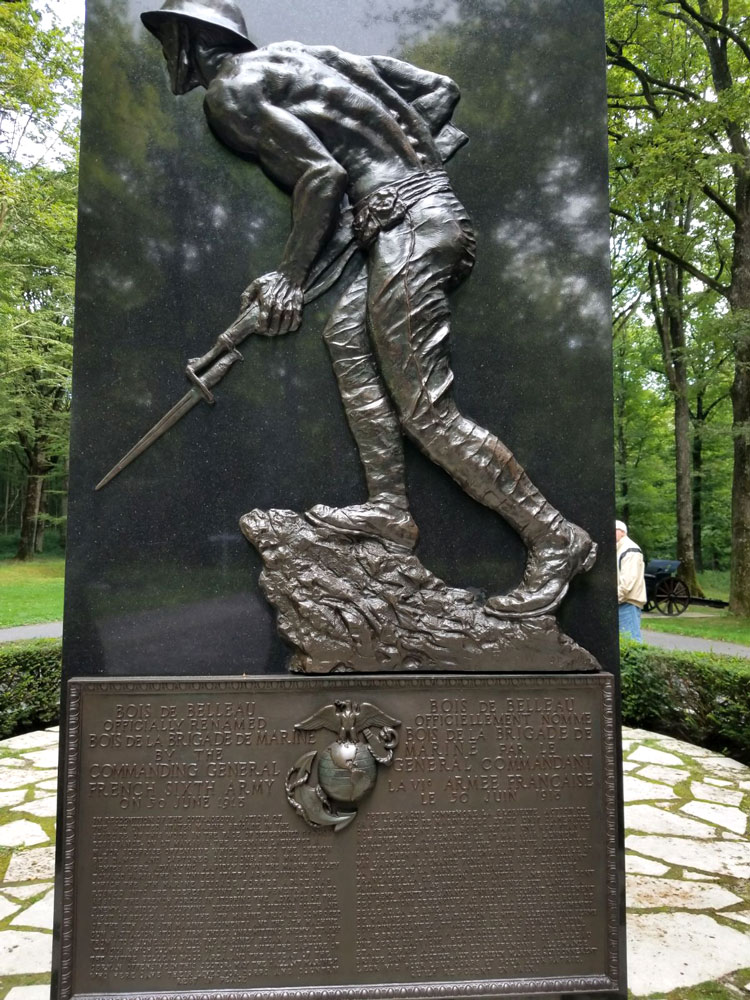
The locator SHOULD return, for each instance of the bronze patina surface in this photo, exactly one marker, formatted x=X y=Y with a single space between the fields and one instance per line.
x=481 y=861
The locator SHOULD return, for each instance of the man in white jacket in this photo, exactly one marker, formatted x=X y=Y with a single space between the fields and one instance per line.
x=631 y=583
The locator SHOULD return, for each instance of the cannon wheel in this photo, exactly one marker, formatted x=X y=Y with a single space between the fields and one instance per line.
x=671 y=596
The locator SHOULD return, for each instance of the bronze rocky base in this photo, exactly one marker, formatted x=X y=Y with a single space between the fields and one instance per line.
x=349 y=604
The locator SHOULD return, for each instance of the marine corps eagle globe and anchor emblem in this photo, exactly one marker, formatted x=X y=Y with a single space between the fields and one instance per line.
x=347 y=769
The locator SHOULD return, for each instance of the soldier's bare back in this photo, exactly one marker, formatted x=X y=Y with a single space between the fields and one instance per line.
x=325 y=98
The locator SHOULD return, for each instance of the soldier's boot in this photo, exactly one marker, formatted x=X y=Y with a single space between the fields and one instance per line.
x=385 y=516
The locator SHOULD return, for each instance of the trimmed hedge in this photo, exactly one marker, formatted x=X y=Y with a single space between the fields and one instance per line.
x=30 y=674
x=700 y=697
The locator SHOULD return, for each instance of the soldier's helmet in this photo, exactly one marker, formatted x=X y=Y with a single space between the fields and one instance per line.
x=223 y=14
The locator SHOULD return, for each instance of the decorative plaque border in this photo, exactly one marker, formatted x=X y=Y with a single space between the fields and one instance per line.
x=77 y=689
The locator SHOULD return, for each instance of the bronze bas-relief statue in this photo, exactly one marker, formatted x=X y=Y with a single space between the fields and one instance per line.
x=329 y=126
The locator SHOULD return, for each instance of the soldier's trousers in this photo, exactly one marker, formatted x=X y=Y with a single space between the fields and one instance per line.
x=388 y=339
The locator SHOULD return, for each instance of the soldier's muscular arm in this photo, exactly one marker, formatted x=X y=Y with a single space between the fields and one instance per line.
x=294 y=158
x=433 y=95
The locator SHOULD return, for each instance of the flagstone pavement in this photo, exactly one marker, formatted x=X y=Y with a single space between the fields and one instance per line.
x=688 y=868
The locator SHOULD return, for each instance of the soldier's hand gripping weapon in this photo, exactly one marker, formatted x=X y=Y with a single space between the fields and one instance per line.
x=205 y=372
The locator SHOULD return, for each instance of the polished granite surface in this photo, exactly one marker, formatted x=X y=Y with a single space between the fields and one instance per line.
x=173 y=226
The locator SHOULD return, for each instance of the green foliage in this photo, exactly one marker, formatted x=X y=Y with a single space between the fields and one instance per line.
x=715 y=584
x=679 y=95
x=644 y=466
x=39 y=78
x=39 y=94
x=673 y=172
x=29 y=685
x=700 y=697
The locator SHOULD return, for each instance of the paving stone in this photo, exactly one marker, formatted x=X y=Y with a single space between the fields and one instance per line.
x=698 y=752
x=637 y=735
x=628 y=765
x=726 y=764
x=15 y=777
x=669 y=775
x=634 y=865
x=47 y=786
x=12 y=798
x=25 y=866
x=24 y=952
x=727 y=835
x=14 y=762
x=40 y=992
x=638 y=790
x=716 y=857
x=696 y=948
x=7 y=907
x=743 y=916
x=744 y=785
x=699 y=876
x=679 y=746
x=724 y=796
x=22 y=833
x=39 y=914
x=719 y=782
x=30 y=741
x=43 y=758
x=647 y=755
x=729 y=817
x=26 y=891
x=651 y=819
x=646 y=893
x=46 y=805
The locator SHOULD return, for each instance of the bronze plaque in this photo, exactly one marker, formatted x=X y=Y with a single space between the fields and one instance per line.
x=363 y=837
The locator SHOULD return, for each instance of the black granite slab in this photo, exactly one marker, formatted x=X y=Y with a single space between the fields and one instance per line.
x=173 y=226
x=160 y=581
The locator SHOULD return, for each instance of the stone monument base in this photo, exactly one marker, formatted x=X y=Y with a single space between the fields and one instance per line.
x=360 y=604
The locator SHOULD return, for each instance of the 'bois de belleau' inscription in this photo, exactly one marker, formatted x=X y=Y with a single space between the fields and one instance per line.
x=182 y=783
x=498 y=747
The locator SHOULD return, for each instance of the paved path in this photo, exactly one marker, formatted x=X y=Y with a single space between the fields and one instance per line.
x=46 y=630
x=687 y=859
x=667 y=640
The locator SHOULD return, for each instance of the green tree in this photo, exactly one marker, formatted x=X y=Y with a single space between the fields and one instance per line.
x=644 y=471
x=39 y=94
x=680 y=89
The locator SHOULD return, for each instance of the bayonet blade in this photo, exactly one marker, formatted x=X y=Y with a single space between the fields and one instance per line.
x=178 y=411
x=224 y=353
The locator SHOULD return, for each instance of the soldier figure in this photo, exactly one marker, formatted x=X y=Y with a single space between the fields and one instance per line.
x=325 y=124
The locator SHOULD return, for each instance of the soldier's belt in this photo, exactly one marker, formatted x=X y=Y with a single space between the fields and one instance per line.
x=388 y=205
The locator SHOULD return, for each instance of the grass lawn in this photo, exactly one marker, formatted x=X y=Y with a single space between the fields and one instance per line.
x=715 y=583
x=31 y=592
x=711 y=626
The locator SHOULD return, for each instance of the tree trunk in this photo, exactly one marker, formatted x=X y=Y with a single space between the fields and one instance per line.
x=684 y=492
x=40 y=522
x=698 y=428
x=32 y=499
x=6 y=508
x=667 y=305
x=739 y=586
x=39 y=466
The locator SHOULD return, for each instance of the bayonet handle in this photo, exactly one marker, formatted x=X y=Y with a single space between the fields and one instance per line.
x=217 y=371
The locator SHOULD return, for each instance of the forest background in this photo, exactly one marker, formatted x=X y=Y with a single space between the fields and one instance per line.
x=679 y=127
